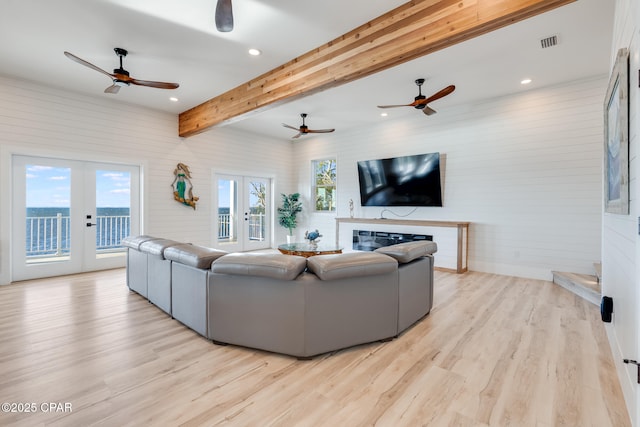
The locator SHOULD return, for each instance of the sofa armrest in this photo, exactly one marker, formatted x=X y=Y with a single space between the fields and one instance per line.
x=275 y=266
x=407 y=252
x=350 y=264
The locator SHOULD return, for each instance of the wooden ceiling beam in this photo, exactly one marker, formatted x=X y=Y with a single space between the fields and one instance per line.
x=410 y=31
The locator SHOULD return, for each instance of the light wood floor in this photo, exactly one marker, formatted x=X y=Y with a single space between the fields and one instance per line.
x=495 y=350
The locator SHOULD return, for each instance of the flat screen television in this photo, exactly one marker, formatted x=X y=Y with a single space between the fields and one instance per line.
x=401 y=181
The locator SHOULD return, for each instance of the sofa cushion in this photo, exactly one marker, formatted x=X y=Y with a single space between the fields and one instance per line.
x=407 y=252
x=156 y=247
x=275 y=266
x=350 y=264
x=193 y=255
x=134 y=242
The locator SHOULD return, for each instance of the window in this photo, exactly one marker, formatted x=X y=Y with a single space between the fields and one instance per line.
x=324 y=184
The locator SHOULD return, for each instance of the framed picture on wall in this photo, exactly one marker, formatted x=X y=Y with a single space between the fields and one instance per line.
x=616 y=138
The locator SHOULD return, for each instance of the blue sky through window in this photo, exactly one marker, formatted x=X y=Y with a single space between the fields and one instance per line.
x=224 y=193
x=49 y=186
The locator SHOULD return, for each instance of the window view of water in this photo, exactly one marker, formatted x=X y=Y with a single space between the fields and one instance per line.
x=48 y=230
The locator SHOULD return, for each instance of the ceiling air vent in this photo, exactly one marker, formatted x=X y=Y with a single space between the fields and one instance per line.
x=549 y=42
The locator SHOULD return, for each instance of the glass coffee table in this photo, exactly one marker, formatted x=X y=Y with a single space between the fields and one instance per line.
x=306 y=249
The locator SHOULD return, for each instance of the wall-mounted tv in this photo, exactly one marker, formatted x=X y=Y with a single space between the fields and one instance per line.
x=401 y=181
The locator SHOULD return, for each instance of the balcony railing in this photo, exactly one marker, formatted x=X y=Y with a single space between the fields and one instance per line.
x=51 y=235
x=256 y=226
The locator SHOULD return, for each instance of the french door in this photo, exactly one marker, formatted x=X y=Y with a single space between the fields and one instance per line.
x=242 y=219
x=69 y=216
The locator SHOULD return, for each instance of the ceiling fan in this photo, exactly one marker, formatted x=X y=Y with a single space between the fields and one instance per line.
x=420 y=102
x=304 y=129
x=224 y=16
x=120 y=76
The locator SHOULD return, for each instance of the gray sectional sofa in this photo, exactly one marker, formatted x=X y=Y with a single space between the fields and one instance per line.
x=284 y=303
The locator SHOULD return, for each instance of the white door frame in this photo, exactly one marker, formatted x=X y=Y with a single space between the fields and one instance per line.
x=242 y=241
x=82 y=255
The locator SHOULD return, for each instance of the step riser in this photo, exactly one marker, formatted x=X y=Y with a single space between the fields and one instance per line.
x=576 y=288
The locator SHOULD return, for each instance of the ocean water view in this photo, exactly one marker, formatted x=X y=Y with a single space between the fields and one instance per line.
x=48 y=229
x=36 y=212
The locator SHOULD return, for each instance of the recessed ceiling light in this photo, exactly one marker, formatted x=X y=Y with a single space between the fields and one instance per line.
x=254 y=52
x=525 y=81
x=173 y=99
x=384 y=114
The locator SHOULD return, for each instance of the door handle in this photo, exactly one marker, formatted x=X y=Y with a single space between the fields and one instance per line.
x=89 y=224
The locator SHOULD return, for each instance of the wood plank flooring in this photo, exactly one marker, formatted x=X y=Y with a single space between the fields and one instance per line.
x=495 y=351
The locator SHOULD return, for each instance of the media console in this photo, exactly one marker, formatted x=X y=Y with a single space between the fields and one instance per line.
x=452 y=237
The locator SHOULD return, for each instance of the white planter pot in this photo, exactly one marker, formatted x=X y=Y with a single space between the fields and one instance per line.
x=290 y=239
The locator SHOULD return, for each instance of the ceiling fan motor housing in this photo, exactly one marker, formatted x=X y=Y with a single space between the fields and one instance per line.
x=121 y=53
x=419 y=83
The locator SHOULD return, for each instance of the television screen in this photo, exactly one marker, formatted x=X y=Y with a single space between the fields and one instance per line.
x=401 y=181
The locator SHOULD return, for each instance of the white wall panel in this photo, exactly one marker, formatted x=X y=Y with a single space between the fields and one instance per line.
x=524 y=169
x=621 y=243
x=42 y=121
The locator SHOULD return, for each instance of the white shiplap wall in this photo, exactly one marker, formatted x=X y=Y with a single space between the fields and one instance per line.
x=620 y=240
x=42 y=121
x=524 y=169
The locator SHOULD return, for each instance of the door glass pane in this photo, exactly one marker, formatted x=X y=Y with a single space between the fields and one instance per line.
x=113 y=210
x=257 y=210
x=227 y=211
x=48 y=196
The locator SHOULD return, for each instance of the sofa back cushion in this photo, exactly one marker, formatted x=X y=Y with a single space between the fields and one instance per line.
x=350 y=264
x=275 y=266
x=192 y=255
x=407 y=252
x=134 y=242
x=156 y=247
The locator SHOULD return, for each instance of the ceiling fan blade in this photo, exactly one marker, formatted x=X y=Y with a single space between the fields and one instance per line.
x=393 y=106
x=114 y=88
x=441 y=94
x=224 y=16
x=290 y=127
x=297 y=135
x=86 y=64
x=159 y=85
x=320 y=130
x=444 y=92
x=428 y=110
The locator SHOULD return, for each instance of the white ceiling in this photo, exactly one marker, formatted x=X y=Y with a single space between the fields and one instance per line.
x=176 y=41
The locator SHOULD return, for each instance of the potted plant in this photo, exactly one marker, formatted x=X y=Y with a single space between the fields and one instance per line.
x=287 y=213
